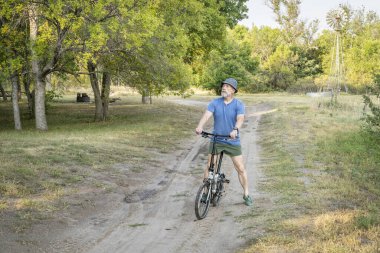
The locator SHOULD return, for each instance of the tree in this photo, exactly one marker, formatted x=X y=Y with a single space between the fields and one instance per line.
x=155 y=45
x=362 y=52
x=280 y=68
x=143 y=47
x=288 y=19
x=51 y=24
x=205 y=29
x=12 y=51
x=264 y=41
x=310 y=31
x=363 y=63
x=39 y=98
x=175 y=54
x=76 y=35
x=112 y=30
x=308 y=61
x=159 y=64
x=234 y=60
x=16 y=109
x=233 y=10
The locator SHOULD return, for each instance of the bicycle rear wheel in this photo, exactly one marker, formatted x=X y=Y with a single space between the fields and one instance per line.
x=202 y=201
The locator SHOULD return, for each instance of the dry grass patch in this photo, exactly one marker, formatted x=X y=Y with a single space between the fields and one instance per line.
x=38 y=169
x=328 y=232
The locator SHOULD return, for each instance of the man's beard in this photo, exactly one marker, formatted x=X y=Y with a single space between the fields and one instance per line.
x=225 y=94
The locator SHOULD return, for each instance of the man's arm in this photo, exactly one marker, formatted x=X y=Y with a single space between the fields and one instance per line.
x=206 y=116
x=238 y=125
x=239 y=121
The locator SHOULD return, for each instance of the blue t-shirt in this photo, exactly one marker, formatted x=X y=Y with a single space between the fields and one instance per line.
x=225 y=117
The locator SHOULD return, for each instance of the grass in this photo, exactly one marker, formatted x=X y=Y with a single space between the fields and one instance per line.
x=321 y=187
x=38 y=169
x=323 y=179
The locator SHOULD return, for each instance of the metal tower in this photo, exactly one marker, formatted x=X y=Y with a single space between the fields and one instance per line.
x=336 y=19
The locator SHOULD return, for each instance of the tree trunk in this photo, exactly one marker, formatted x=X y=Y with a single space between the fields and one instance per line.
x=40 y=114
x=16 y=109
x=146 y=97
x=106 y=86
x=39 y=104
x=95 y=87
x=19 y=90
x=26 y=81
x=3 y=94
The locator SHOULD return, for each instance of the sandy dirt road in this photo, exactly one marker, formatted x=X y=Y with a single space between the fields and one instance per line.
x=166 y=222
x=156 y=212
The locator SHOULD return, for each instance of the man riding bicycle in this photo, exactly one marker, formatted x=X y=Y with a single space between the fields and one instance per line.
x=228 y=115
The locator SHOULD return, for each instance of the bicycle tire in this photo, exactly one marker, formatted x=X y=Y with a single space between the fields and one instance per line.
x=202 y=207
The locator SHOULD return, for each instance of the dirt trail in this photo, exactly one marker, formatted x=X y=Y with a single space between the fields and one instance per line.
x=166 y=223
x=158 y=214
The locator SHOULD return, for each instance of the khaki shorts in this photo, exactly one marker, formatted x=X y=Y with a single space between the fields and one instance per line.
x=231 y=150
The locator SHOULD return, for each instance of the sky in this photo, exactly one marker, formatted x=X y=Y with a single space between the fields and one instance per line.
x=259 y=14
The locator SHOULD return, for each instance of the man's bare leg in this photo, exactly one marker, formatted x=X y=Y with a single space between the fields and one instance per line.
x=242 y=173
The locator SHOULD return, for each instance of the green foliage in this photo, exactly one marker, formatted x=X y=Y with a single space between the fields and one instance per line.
x=13 y=33
x=308 y=63
x=266 y=61
x=361 y=47
x=159 y=46
x=205 y=29
x=264 y=42
x=52 y=95
x=186 y=35
x=166 y=46
x=234 y=60
x=325 y=43
x=157 y=65
x=280 y=68
x=233 y=10
x=372 y=118
x=363 y=61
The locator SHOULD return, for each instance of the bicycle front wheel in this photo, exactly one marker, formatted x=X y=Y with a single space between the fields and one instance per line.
x=202 y=201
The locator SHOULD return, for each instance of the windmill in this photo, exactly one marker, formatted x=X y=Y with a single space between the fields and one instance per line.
x=336 y=19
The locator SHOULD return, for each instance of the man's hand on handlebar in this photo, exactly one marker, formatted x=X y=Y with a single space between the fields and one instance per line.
x=234 y=134
x=198 y=130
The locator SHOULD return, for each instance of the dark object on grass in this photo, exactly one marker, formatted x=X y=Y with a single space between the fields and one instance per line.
x=83 y=98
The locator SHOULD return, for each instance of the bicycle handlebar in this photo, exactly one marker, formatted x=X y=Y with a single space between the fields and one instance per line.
x=206 y=134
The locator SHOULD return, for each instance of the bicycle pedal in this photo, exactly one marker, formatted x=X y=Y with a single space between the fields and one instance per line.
x=226 y=181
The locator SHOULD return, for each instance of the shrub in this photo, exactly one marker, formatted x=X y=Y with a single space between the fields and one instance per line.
x=303 y=86
x=372 y=119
